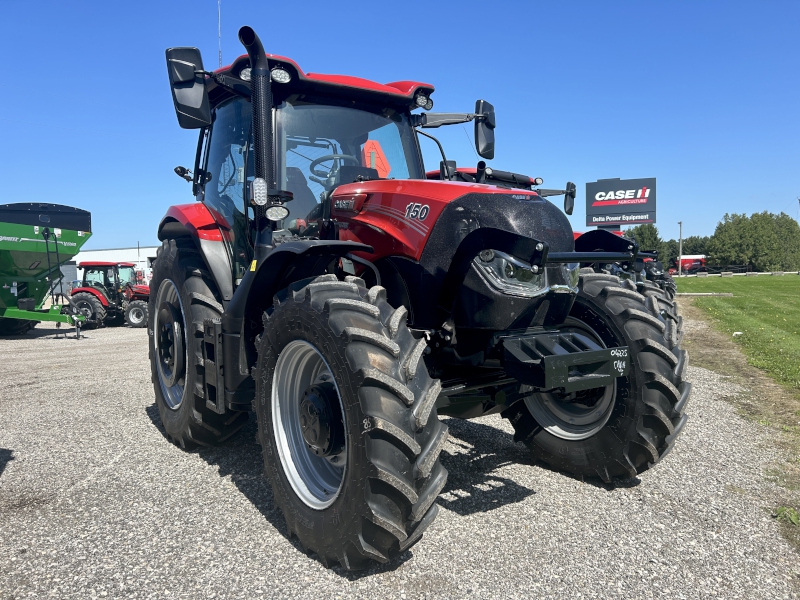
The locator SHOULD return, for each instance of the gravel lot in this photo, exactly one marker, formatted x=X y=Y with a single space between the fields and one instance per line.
x=95 y=502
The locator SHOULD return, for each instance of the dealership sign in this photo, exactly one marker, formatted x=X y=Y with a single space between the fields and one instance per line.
x=613 y=202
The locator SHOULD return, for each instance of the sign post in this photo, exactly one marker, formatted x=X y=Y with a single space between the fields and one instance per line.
x=611 y=203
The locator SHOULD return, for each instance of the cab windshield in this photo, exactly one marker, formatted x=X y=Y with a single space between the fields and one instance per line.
x=127 y=275
x=322 y=146
x=99 y=277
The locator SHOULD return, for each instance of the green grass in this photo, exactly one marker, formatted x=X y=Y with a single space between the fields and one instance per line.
x=766 y=309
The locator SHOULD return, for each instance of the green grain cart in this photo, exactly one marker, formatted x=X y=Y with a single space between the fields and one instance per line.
x=35 y=240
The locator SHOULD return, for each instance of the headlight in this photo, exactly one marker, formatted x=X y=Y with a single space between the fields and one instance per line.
x=280 y=75
x=277 y=212
x=258 y=191
x=510 y=275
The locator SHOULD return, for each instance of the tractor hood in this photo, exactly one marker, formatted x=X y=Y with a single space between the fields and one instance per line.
x=418 y=227
x=402 y=216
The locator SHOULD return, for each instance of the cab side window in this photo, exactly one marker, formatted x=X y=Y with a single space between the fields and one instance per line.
x=227 y=153
x=229 y=164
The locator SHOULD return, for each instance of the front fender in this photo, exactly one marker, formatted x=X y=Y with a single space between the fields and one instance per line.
x=600 y=239
x=288 y=262
x=241 y=321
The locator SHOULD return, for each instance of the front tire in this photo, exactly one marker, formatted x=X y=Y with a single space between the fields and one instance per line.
x=667 y=308
x=136 y=313
x=183 y=296
x=636 y=425
x=364 y=489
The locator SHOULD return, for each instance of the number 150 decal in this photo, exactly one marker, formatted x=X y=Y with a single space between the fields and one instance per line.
x=417 y=211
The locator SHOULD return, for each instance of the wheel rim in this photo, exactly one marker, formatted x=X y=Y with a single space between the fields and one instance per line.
x=315 y=479
x=170 y=344
x=85 y=309
x=136 y=315
x=574 y=420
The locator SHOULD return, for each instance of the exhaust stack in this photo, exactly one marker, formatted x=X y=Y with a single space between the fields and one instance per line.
x=261 y=99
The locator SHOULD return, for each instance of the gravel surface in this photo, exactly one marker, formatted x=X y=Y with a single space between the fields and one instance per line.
x=95 y=502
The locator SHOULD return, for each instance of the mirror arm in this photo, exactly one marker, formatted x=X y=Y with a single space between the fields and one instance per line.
x=546 y=193
x=427 y=135
x=240 y=88
x=432 y=120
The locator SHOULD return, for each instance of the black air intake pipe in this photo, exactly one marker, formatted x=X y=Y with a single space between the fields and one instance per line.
x=261 y=100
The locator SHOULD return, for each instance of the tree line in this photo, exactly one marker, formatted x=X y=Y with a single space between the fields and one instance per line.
x=761 y=242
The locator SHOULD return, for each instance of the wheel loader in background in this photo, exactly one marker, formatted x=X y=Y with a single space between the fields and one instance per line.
x=323 y=281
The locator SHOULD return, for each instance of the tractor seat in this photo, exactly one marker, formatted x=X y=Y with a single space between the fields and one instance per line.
x=304 y=200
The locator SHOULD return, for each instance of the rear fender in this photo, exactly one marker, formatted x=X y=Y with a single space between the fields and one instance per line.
x=189 y=219
x=93 y=291
x=194 y=222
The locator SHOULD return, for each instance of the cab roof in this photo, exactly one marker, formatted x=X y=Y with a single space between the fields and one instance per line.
x=395 y=92
x=103 y=263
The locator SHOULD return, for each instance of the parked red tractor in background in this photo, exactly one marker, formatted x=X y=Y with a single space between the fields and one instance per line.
x=109 y=294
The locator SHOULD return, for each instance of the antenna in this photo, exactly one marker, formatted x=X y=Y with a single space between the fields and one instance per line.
x=219 y=30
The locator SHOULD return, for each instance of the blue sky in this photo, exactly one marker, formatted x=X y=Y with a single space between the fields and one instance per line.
x=702 y=95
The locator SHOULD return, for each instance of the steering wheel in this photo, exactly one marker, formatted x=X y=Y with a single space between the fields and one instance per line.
x=334 y=168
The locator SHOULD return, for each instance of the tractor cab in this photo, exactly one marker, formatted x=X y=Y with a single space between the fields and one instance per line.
x=108 y=278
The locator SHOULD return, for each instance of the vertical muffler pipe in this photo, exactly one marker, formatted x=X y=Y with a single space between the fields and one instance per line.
x=261 y=101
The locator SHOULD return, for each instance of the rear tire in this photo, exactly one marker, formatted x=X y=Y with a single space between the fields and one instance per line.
x=647 y=409
x=136 y=313
x=182 y=298
x=91 y=308
x=383 y=497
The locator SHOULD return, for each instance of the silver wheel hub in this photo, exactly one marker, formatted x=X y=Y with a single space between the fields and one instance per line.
x=136 y=315
x=579 y=417
x=170 y=345
x=309 y=428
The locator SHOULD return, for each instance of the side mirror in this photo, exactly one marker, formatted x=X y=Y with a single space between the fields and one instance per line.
x=569 y=198
x=484 y=129
x=189 y=94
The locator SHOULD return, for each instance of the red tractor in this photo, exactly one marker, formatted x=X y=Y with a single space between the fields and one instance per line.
x=110 y=294
x=325 y=283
